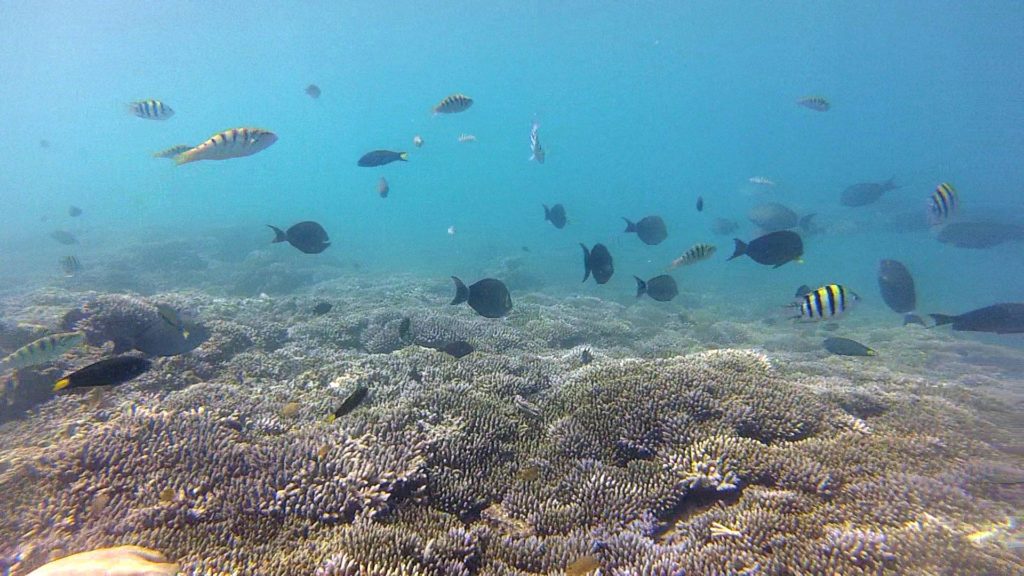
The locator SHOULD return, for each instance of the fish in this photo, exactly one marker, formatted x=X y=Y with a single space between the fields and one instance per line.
x=827 y=302
x=351 y=402
x=846 y=347
x=322 y=308
x=172 y=151
x=865 y=193
x=536 y=151
x=233 y=143
x=816 y=103
x=802 y=290
x=555 y=215
x=582 y=566
x=173 y=319
x=1005 y=318
x=526 y=406
x=945 y=201
x=44 y=143
x=405 y=330
x=70 y=266
x=980 y=234
x=308 y=237
x=773 y=216
x=108 y=372
x=313 y=91
x=695 y=254
x=586 y=357
x=488 y=297
x=700 y=203
x=897 y=286
x=382 y=187
x=466 y=138
x=458 y=348
x=42 y=350
x=150 y=109
x=772 y=249
x=724 y=226
x=453 y=104
x=74 y=211
x=761 y=181
x=650 y=229
x=417 y=141
x=909 y=319
x=597 y=261
x=661 y=288
x=64 y=237
x=381 y=157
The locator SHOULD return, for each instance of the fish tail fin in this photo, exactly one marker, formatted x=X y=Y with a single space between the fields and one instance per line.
x=279 y=235
x=61 y=384
x=586 y=262
x=641 y=287
x=547 y=211
x=630 y=226
x=943 y=319
x=404 y=156
x=741 y=249
x=184 y=158
x=461 y=292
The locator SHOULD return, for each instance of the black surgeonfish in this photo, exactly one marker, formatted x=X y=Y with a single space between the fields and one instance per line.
x=351 y=402
x=650 y=229
x=458 y=348
x=661 y=288
x=866 y=193
x=308 y=237
x=381 y=157
x=108 y=372
x=999 y=319
x=897 y=286
x=488 y=297
x=772 y=249
x=597 y=261
x=555 y=215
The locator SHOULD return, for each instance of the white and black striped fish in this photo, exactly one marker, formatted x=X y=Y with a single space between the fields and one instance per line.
x=696 y=253
x=826 y=302
x=536 y=151
x=453 y=104
x=70 y=266
x=234 y=143
x=42 y=350
x=944 y=203
x=151 y=109
x=172 y=151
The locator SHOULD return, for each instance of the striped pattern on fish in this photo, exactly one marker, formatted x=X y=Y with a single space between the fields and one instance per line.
x=42 y=350
x=172 y=151
x=151 y=109
x=944 y=203
x=536 y=151
x=234 y=143
x=828 y=301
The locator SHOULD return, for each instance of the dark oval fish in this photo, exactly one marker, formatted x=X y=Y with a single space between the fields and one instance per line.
x=650 y=229
x=383 y=188
x=74 y=211
x=998 y=319
x=322 y=308
x=897 y=286
x=308 y=237
x=980 y=235
x=700 y=203
x=773 y=216
x=313 y=91
x=597 y=261
x=108 y=372
x=352 y=402
x=772 y=249
x=64 y=237
x=163 y=339
x=381 y=157
x=405 y=330
x=458 y=348
x=846 y=347
x=661 y=288
x=865 y=193
x=724 y=226
x=453 y=104
x=488 y=297
x=586 y=357
x=555 y=215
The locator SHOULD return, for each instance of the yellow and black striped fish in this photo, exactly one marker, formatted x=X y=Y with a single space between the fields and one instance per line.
x=828 y=301
x=42 y=351
x=696 y=253
x=454 y=103
x=172 y=151
x=234 y=143
x=151 y=109
x=944 y=203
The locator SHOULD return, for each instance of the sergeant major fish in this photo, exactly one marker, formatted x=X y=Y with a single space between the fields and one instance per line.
x=826 y=302
x=150 y=109
x=536 y=151
x=42 y=350
x=944 y=203
x=233 y=143
x=453 y=104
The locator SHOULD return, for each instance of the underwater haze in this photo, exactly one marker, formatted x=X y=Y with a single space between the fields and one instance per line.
x=320 y=392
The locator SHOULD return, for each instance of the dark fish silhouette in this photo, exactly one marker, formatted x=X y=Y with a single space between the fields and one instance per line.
x=322 y=308
x=897 y=286
x=352 y=402
x=405 y=330
x=700 y=203
x=980 y=235
x=772 y=249
x=586 y=357
x=488 y=297
x=650 y=229
x=313 y=91
x=383 y=188
x=846 y=347
x=661 y=288
x=998 y=318
x=381 y=157
x=163 y=339
x=555 y=215
x=865 y=193
x=308 y=237
x=597 y=261
x=64 y=237
x=458 y=348
x=773 y=216
x=74 y=211
x=108 y=372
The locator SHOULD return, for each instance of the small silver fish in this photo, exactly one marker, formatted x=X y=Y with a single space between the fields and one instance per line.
x=151 y=109
x=42 y=350
x=536 y=151
x=417 y=141
x=526 y=406
x=467 y=138
x=761 y=181
x=696 y=253
x=816 y=103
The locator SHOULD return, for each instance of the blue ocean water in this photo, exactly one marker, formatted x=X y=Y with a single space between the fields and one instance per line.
x=643 y=107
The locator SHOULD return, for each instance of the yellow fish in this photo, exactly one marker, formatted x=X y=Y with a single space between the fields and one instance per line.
x=234 y=143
